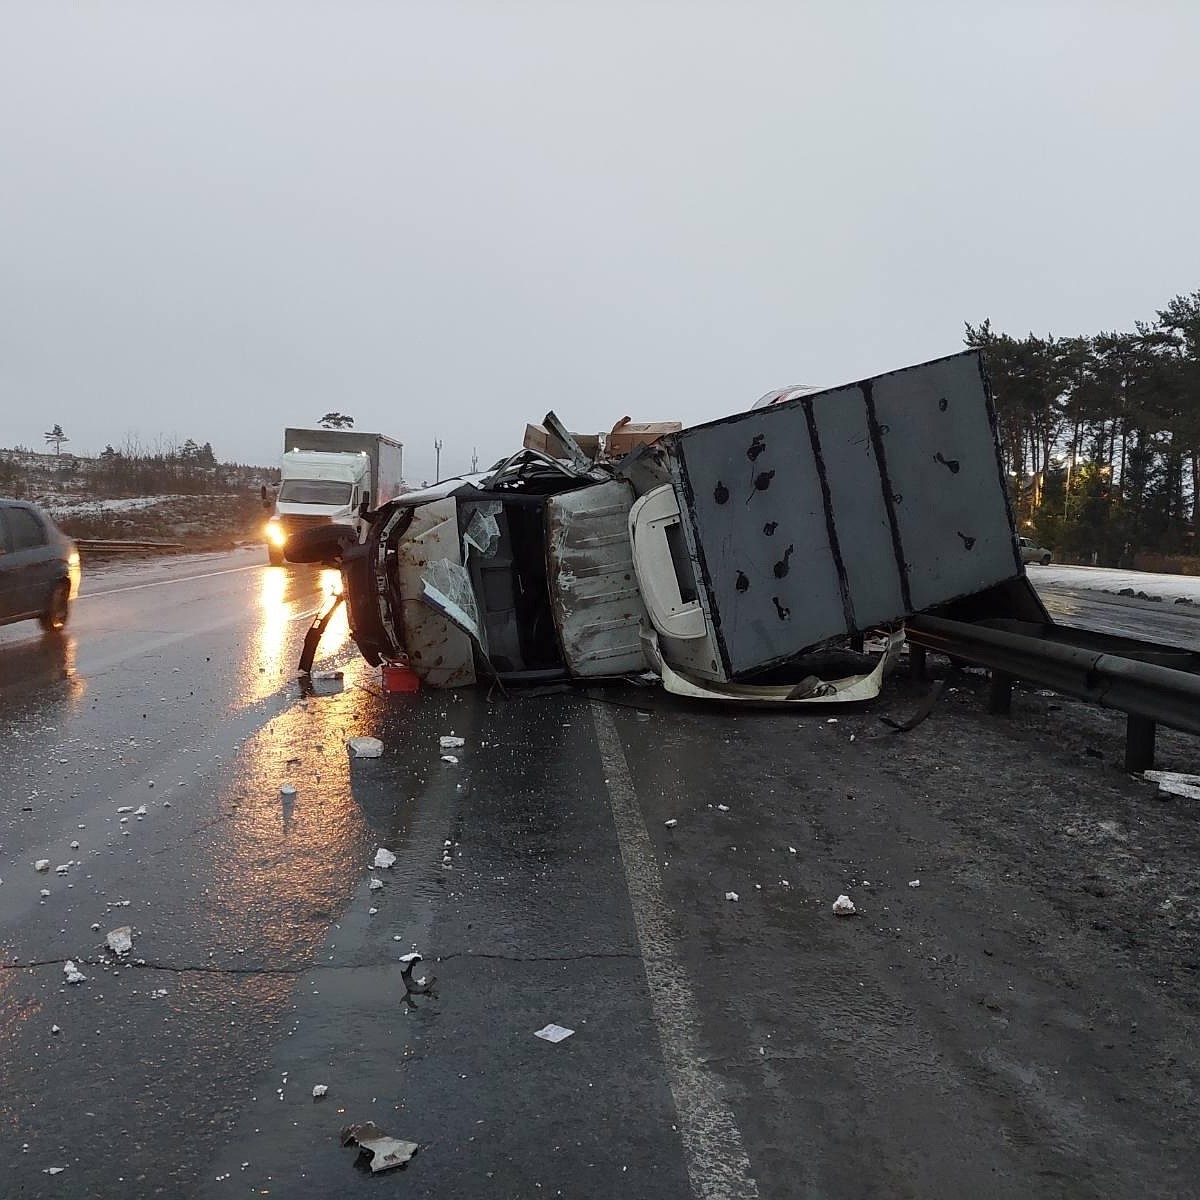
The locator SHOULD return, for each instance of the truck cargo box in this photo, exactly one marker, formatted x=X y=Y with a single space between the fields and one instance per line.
x=839 y=510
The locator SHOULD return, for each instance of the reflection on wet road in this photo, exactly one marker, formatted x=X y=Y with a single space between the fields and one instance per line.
x=172 y=694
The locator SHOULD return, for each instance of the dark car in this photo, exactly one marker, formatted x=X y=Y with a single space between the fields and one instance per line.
x=39 y=566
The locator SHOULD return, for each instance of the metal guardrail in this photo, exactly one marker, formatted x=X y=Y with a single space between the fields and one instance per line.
x=100 y=547
x=1148 y=692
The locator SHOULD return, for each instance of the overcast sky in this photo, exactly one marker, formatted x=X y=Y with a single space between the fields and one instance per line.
x=219 y=218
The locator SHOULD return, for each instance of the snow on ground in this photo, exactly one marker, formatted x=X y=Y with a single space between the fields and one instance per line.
x=1106 y=579
x=76 y=508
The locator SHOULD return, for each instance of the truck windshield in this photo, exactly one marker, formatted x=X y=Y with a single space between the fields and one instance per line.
x=314 y=491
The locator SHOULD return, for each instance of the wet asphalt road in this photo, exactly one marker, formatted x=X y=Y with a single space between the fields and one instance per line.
x=722 y=1048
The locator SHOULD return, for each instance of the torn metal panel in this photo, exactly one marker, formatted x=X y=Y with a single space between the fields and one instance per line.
x=833 y=511
x=597 y=608
x=850 y=690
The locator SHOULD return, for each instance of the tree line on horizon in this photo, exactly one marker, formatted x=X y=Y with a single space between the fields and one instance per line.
x=190 y=468
x=1100 y=434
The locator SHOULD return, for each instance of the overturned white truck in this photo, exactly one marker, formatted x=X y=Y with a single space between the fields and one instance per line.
x=724 y=557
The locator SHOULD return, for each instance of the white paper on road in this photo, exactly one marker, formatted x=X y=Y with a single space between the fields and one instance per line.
x=384 y=858
x=366 y=747
x=553 y=1033
x=453 y=743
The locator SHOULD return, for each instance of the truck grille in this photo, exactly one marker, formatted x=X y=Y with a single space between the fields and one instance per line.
x=292 y=523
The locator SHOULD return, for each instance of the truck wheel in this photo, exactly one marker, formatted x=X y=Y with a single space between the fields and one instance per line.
x=57 y=608
x=275 y=554
x=1045 y=560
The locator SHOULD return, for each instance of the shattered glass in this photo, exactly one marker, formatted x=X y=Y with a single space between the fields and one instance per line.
x=446 y=586
x=483 y=530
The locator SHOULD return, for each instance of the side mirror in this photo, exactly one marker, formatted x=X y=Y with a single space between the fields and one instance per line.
x=266 y=500
x=365 y=506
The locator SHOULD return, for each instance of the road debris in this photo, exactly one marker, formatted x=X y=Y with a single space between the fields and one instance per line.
x=914 y=883
x=53 y=1170
x=140 y=811
x=670 y=823
x=453 y=743
x=375 y=884
x=74 y=845
x=731 y=896
x=553 y=1033
x=125 y=808
x=1174 y=783
x=42 y=864
x=372 y=911
x=384 y=858
x=62 y=868
x=450 y=758
x=45 y=893
x=386 y=1152
x=722 y=808
x=287 y=790
x=319 y=1090
x=843 y=906
x=366 y=747
x=120 y=940
x=415 y=987
x=55 y=1029
x=72 y=973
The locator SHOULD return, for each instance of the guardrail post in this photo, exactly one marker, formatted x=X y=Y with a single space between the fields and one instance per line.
x=916 y=662
x=1000 y=694
x=1139 y=743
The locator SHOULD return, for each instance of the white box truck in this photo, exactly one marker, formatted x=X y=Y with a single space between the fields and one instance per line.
x=326 y=476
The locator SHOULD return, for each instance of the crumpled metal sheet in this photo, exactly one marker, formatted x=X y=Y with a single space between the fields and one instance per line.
x=850 y=690
x=386 y=1152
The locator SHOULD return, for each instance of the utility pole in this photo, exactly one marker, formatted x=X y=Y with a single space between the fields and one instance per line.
x=474 y=461
x=437 y=468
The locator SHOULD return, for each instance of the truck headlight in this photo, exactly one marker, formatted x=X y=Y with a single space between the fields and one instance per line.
x=276 y=534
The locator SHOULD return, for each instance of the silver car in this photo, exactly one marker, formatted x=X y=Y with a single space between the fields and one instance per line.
x=39 y=566
x=1031 y=552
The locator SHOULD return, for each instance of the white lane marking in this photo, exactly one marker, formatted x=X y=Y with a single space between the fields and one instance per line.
x=717 y=1164
x=137 y=587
